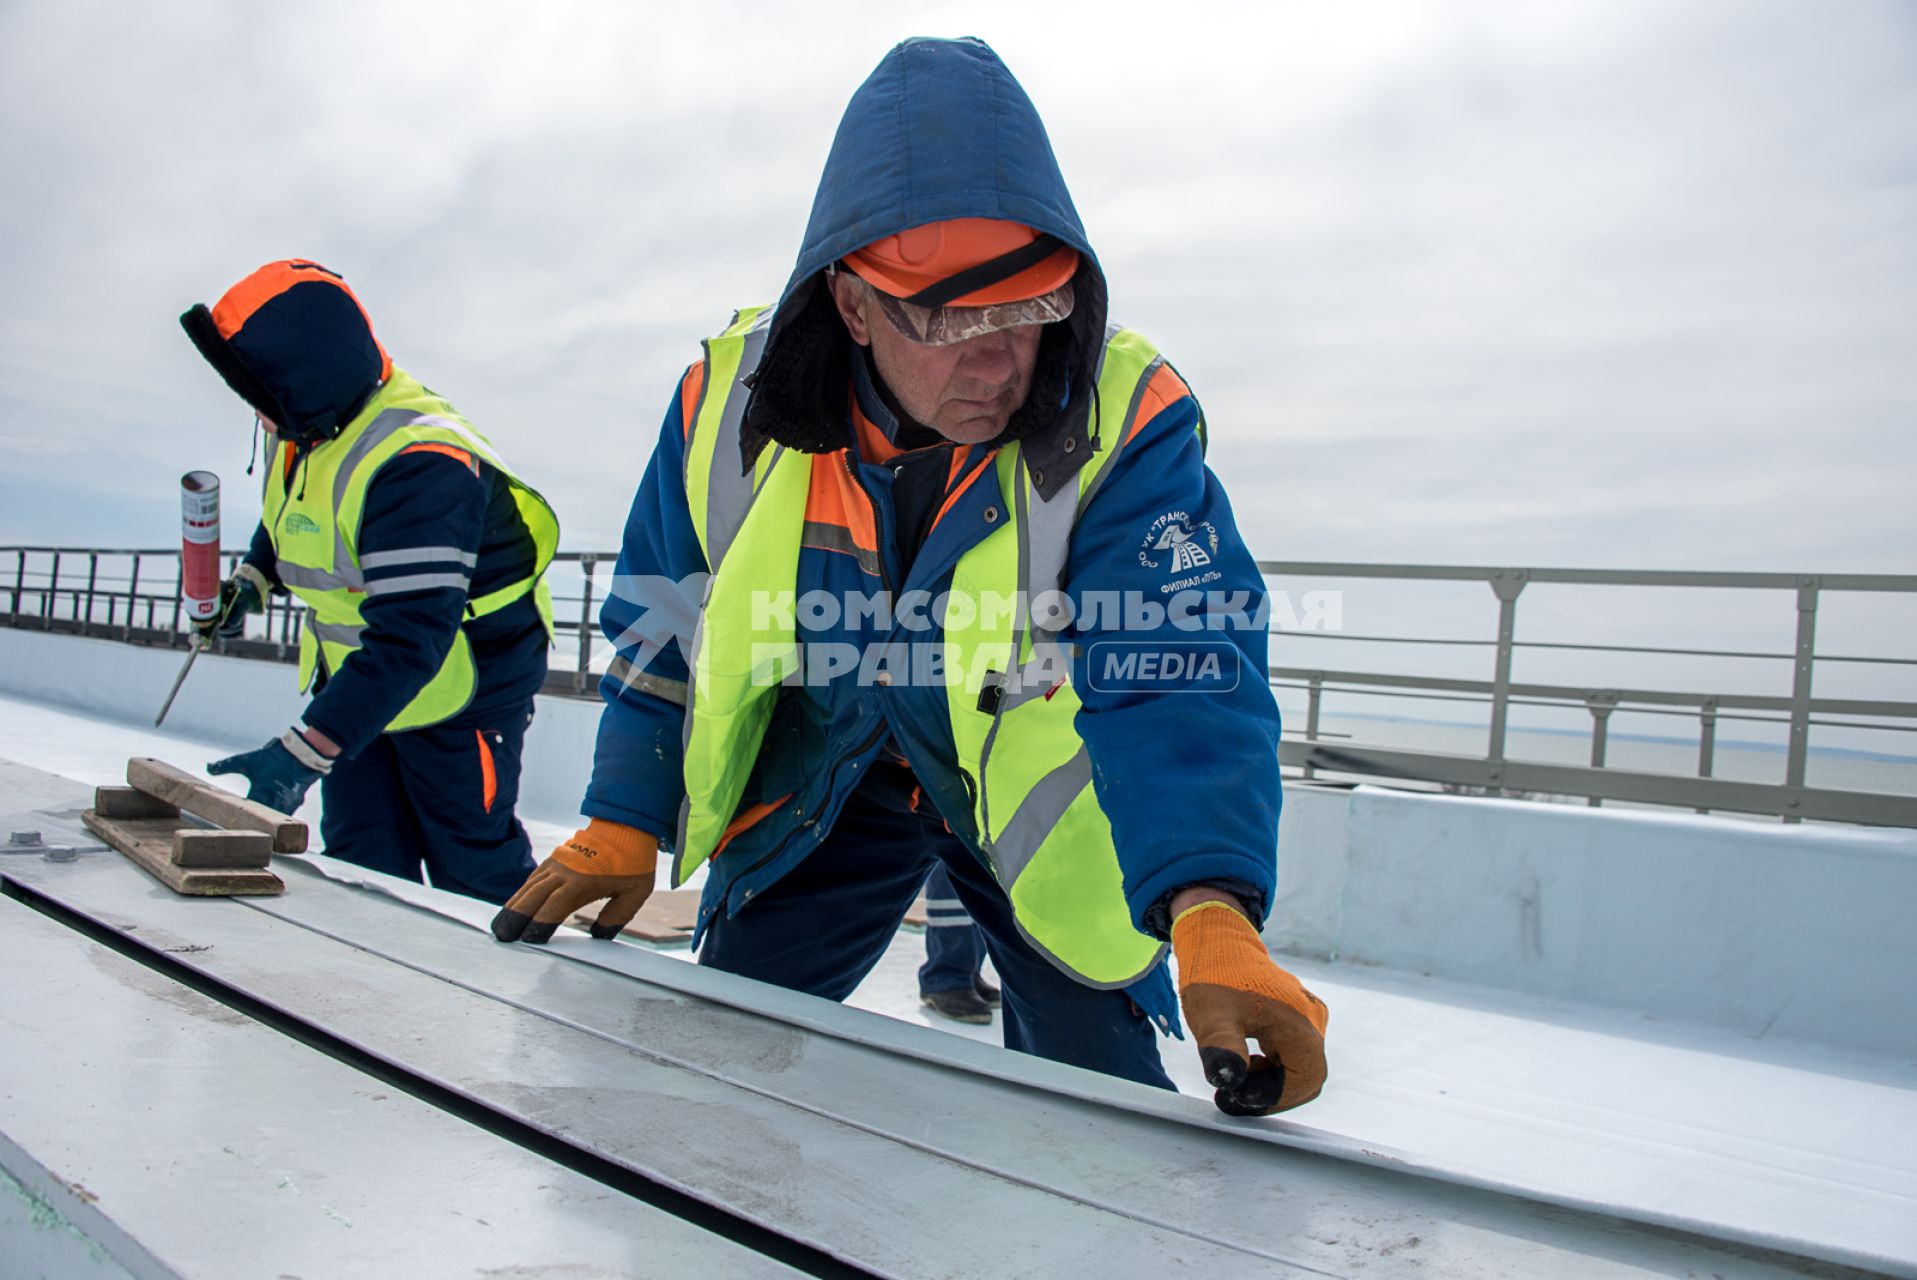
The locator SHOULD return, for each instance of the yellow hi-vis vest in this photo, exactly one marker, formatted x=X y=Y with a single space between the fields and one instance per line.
x=313 y=519
x=1047 y=840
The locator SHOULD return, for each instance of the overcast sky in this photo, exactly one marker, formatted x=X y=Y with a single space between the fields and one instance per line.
x=1611 y=284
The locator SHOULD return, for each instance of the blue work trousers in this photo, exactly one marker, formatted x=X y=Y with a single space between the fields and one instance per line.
x=441 y=797
x=954 y=947
x=823 y=925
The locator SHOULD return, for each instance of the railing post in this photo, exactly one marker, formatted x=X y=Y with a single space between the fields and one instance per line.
x=1505 y=584
x=51 y=596
x=232 y=566
x=1799 y=753
x=1600 y=705
x=19 y=583
x=1313 y=697
x=93 y=577
x=132 y=596
x=1706 y=741
x=179 y=600
x=586 y=563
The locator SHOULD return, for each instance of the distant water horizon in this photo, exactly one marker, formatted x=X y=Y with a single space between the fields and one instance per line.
x=1736 y=760
x=1584 y=735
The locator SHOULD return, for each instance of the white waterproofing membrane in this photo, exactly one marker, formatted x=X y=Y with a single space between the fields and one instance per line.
x=867 y=1141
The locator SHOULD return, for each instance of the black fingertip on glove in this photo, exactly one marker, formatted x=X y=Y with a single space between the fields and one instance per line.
x=1223 y=1068
x=539 y=933
x=517 y=926
x=1244 y=1089
x=509 y=925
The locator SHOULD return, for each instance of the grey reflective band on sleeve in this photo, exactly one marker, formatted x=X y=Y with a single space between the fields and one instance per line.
x=298 y=575
x=418 y=555
x=346 y=633
x=370 y=439
x=417 y=582
x=667 y=690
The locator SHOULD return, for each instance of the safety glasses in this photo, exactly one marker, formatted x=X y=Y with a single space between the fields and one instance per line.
x=943 y=326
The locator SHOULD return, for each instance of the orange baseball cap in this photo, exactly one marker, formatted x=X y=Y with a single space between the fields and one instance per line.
x=966 y=262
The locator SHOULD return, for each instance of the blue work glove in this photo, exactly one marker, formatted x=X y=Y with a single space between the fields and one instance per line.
x=279 y=773
x=243 y=593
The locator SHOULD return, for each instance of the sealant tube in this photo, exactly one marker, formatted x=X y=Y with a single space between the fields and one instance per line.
x=200 y=544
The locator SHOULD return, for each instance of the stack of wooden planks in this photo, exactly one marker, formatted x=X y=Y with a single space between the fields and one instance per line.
x=222 y=849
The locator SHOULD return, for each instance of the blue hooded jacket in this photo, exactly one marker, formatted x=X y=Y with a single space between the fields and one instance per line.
x=1189 y=780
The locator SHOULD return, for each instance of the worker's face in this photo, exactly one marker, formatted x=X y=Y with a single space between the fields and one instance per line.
x=966 y=391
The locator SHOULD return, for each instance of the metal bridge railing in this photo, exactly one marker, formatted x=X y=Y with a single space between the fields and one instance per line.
x=1496 y=771
x=133 y=596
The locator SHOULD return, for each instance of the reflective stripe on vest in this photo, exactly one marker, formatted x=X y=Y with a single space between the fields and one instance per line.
x=1052 y=848
x=713 y=445
x=314 y=517
x=1048 y=840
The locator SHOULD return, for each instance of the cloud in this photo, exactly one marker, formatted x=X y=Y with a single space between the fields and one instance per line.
x=1604 y=283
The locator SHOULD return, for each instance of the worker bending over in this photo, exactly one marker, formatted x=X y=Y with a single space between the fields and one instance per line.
x=960 y=535
x=420 y=558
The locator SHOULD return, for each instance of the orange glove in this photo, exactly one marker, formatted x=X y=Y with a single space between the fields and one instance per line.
x=1233 y=992
x=606 y=860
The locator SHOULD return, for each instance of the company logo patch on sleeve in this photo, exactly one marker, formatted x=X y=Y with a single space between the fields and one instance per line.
x=1189 y=545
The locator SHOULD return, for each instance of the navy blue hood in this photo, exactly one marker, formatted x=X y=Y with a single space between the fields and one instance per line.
x=939 y=130
x=292 y=340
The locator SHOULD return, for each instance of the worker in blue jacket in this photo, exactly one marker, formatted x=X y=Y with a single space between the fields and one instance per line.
x=927 y=569
x=420 y=556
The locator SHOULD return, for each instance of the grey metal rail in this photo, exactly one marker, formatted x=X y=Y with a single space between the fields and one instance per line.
x=133 y=595
x=1495 y=772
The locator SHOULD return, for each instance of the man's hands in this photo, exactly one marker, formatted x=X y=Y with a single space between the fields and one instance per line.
x=243 y=593
x=606 y=860
x=279 y=773
x=1232 y=992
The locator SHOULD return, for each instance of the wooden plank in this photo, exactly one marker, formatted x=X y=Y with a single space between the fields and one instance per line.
x=148 y=842
x=131 y=802
x=226 y=850
x=196 y=795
